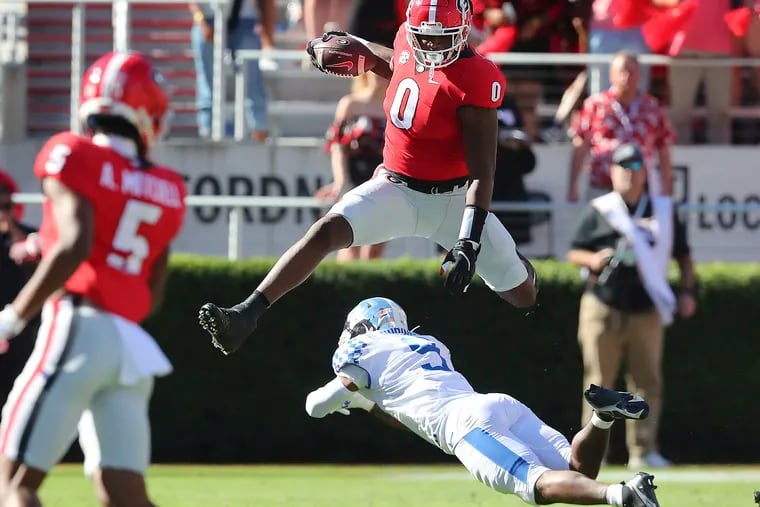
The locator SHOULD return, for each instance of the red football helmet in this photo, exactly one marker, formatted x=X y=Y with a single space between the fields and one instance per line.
x=125 y=84
x=439 y=19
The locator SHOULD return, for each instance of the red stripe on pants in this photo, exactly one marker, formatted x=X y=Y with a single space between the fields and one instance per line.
x=38 y=371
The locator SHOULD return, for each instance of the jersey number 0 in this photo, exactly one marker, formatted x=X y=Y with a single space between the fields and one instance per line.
x=407 y=96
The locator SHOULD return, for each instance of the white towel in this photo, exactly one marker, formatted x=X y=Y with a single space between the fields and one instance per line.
x=651 y=259
x=141 y=355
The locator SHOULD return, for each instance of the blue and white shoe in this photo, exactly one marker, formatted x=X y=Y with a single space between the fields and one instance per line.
x=639 y=491
x=610 y=405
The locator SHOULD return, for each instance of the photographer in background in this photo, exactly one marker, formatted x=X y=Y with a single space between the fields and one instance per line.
x=19 y=252
x=625 y=240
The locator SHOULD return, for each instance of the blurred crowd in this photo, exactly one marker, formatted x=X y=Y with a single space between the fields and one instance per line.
x=706 y=30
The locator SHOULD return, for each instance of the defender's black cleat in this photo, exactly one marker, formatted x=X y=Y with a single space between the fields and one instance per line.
x=228 y=327
x=610 y=404
x=639 y=491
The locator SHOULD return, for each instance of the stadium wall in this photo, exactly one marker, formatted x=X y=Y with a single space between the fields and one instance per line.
x=249 y=407
x=708 y=175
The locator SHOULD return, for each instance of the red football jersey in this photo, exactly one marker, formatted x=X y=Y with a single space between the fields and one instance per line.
x=137 y=214
x=423 y=135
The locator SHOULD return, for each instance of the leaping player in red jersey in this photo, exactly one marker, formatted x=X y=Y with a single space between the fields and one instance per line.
x=435 y=181
x=108 y=218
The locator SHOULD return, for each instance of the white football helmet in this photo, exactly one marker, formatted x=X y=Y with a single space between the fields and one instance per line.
x=373 y=314
x=438 y=18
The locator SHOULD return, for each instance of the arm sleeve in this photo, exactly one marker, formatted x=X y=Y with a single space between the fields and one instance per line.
x=356 y=374
x=62 y=158
x=484 y=86
x=328 y=398
x=581 y=125
x=666 y=134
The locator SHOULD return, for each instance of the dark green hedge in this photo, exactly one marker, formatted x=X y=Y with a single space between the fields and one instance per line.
x=249 y=406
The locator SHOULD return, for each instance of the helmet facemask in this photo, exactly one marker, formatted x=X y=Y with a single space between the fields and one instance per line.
x=436 y=58
x=447 y=21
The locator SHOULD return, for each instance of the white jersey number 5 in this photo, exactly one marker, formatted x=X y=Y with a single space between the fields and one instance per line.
x=132 y=248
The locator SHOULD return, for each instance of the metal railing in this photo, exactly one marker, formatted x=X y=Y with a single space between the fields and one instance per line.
x=237 y=204
x=12 y=34
x=521 y=59
x=121 y=41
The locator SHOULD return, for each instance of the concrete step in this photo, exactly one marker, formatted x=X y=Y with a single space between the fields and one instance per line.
x=305 y=85
x=300 y=118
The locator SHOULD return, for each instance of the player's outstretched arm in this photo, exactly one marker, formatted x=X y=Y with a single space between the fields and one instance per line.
x=387 y=418
x=74 y=219
x=338 y=395
x=479 y=130
x=384 y=57
x=480 y=133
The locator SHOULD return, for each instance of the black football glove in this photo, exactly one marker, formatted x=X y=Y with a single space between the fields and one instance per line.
x=459 y=266
x=323 y=38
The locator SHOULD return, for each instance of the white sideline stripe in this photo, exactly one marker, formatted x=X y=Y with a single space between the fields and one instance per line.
x=687 y=476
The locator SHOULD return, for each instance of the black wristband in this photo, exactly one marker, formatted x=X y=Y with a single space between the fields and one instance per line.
x=473 y=220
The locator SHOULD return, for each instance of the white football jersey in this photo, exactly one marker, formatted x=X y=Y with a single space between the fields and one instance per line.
x=408 y=376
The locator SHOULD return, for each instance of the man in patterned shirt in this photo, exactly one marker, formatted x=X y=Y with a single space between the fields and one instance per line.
x=409 y=380
x=617 y=116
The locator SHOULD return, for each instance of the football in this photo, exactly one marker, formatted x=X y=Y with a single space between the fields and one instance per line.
x=342 y=55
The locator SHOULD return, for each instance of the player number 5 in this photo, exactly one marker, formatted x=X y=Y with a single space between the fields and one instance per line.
x=131 y=248
x=57 y=158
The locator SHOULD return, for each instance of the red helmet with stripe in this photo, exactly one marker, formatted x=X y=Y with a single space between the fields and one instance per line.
x=126 y=85
x=437 y=30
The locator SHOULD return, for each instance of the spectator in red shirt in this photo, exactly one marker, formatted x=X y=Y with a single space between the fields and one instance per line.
x=497 y=20
x=707 y=36
x=616 y=116
x=609 y=33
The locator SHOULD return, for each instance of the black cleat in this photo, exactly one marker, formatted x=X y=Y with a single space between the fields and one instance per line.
x=228 y=327
x=640 y=491
x=610 y=404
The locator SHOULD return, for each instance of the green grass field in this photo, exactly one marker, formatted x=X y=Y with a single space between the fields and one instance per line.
x=379 y=486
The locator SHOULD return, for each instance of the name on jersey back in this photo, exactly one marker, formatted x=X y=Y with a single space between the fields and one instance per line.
x=141 y=185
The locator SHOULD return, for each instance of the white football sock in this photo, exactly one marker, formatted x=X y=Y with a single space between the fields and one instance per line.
x=601 y=423
x=614 y=495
